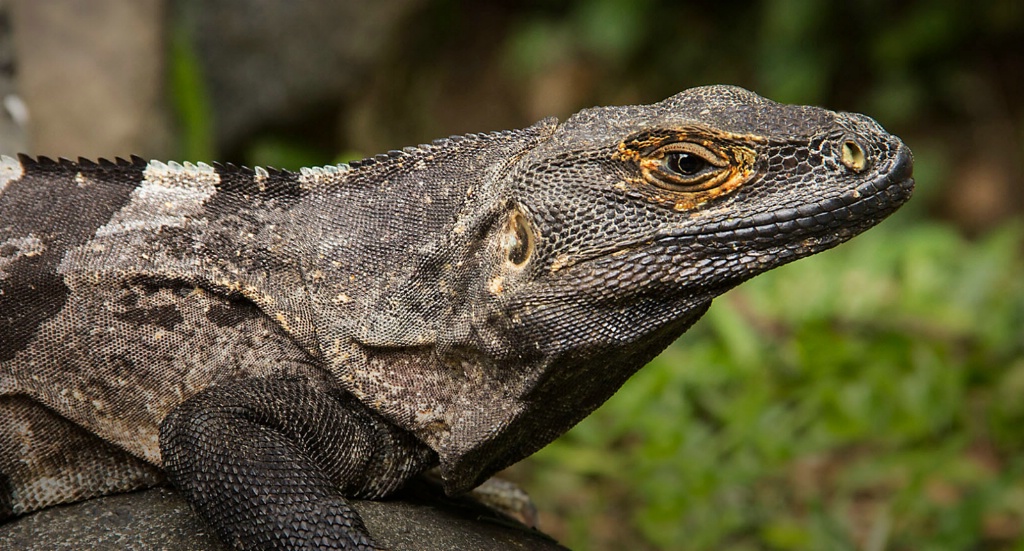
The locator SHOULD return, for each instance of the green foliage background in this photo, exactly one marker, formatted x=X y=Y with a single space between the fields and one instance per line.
x=871 y=397
x=867 y=398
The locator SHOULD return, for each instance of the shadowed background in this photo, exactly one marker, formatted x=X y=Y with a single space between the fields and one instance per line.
x=866 y=398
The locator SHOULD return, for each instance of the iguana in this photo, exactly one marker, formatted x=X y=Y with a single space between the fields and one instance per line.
x=273 y=343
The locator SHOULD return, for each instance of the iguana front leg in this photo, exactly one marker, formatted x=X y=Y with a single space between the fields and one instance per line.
x=269 y=463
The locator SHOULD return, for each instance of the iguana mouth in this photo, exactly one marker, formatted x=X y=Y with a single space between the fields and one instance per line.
x=864 y=206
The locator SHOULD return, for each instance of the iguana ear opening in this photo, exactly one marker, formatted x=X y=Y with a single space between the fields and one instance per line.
x=518 y=240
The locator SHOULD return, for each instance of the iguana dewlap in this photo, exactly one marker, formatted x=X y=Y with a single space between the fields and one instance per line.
x=275 y=342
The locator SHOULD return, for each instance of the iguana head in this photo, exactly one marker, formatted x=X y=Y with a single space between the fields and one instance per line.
x=617 y=230
x=635 y=211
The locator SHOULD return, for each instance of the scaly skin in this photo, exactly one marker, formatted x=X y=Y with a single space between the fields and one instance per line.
x=277 y=342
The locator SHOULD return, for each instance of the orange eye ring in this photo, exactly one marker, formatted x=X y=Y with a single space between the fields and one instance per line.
x=687 y=167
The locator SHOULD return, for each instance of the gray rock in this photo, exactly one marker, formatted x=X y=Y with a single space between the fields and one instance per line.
x=160 y=519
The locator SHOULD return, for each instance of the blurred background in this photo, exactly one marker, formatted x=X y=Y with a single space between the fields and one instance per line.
x=868 y=398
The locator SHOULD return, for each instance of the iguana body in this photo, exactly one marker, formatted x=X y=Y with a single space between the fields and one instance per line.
x=275 y=342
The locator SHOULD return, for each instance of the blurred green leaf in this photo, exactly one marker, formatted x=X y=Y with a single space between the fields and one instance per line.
x=190 y=100
x=280 y=152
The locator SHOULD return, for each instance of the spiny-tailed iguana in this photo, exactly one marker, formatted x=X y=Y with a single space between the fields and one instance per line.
x=274 y=343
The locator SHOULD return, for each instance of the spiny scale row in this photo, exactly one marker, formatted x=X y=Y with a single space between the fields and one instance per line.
x=138 y=162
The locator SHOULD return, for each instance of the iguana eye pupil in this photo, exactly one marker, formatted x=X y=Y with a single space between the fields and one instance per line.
x=686 y=164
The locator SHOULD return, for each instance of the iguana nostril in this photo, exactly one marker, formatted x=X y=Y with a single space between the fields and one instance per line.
x=853 y=156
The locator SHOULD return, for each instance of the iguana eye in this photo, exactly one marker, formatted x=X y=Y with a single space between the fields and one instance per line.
x=688 y=166
x=685 y=166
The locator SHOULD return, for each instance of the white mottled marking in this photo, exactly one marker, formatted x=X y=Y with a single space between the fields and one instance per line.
x=10 y=169
x=48 y=489
x=261 y=178
x=24 y=247
x=261 y=174
x=81 y=181
x=170 y=194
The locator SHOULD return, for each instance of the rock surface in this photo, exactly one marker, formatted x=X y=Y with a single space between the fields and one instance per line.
x=160 y=519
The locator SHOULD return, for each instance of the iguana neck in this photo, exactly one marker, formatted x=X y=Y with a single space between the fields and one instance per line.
x=393 y=281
